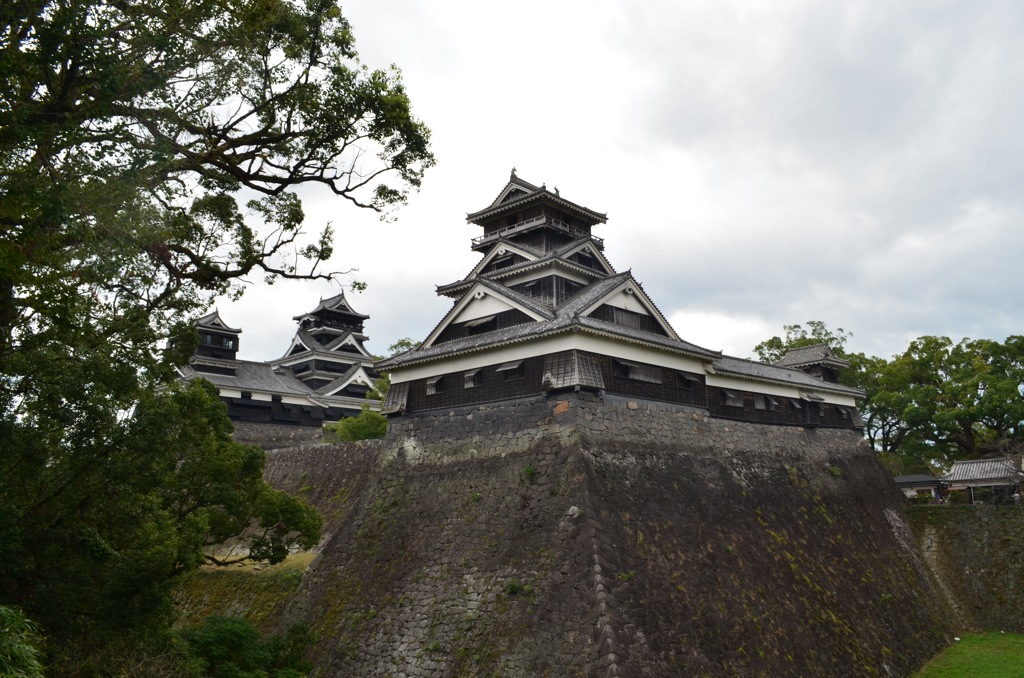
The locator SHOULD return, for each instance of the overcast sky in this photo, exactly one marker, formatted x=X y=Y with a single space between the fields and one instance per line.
x=761 y=164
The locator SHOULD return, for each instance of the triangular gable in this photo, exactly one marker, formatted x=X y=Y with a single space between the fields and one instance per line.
x=214 y=320
x=480 y=301
x=357 y=374
x=591 y=249
x=515 y=189
x=500 y=250
x=297 y=346
x=638 y=302
x=348 y=340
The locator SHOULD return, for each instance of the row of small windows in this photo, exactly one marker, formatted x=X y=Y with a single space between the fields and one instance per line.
x=510 y=371
x=773 y=404
x=650 y=374
x=217 y=340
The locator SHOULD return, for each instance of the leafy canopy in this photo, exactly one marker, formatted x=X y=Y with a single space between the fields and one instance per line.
x=796 y=336
x=936 y=402
x=151 y=158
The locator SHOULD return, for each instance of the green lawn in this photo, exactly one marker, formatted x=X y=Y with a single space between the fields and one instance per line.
x=979 y=655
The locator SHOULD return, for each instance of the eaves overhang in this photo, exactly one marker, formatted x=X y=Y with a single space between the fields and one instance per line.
x=542 y=195
x=825 y=386
x=457 y=351
x=525 y=267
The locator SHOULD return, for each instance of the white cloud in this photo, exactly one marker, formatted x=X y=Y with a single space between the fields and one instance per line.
x=762 y=164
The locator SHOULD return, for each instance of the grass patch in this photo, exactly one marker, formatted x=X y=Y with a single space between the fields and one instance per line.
x=979 y=655
x=260 y=591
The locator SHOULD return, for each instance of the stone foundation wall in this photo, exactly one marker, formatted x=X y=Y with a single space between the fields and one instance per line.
x=273 y=436
x=580 y=536
x=977 y=555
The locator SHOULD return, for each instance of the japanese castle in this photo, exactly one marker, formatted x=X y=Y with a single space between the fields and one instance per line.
x=324 y=374
x=544 y=312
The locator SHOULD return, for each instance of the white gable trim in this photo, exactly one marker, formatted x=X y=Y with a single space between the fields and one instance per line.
x=500 y=250
x=296 y=341
x=591 y=249
x=477 y=293
x=630 y=288
x=561 y=342
x=545 y=272
x=360 y=377
x=350 y=340
x=512 y=186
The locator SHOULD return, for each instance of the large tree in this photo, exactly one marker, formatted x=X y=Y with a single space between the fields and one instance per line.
x=796 y=336
x=150 y=154
x=957 y=400
x=936 y=402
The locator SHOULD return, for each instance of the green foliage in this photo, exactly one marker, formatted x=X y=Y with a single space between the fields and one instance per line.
x=816 y=332
x=95 y=540
x=936 y=402
x=979 y=655
x=20 y=645
x=382 y=384
x=367 y=425
x=514 y=588
x=529 y=472
x=231 y=647
x=128 y=132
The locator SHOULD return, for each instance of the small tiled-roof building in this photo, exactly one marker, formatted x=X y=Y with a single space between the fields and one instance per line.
x=324 y=374
x=544 y=312
x=1002 y=474
x=917 y=484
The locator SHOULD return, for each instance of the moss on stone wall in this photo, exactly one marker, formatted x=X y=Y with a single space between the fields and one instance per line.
x=256 y=593
x=977 y=554
x=581 y=537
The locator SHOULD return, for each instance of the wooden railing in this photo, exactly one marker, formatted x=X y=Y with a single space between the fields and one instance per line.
x=530 y=224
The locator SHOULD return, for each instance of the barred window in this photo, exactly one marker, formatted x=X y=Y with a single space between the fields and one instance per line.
x=473 y=378
x=731 y=398
x=512 y=370
x=686 y=381
x=435 y=385
x=627 y=370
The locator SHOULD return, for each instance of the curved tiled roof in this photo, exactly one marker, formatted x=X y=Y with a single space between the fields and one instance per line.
x=982 y=469
x=562 y=319
x=818 y=354
x=752 y=369
x=533 y=193
x=214 y=321
x=331 y=304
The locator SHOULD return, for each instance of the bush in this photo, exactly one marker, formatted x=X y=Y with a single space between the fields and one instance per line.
x=366 y=426
x=231 y=647
x=20 y=644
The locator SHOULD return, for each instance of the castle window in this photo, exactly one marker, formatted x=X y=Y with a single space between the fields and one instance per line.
x=686 y=381
x=435 y=385
x=794 y=405
x=512 y=370
x=627 y=370
x=473 y=378
x=481 y=325
x=731 y=398
x=502 y=262
x=759 y=402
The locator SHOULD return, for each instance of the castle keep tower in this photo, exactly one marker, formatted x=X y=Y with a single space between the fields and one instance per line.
x=545 y=312
x=324 y=374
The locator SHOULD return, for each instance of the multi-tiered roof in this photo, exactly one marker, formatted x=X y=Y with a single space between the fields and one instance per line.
x=544 y=311
x=325 y=373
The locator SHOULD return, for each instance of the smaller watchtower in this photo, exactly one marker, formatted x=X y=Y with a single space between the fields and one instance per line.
x=216 y=339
